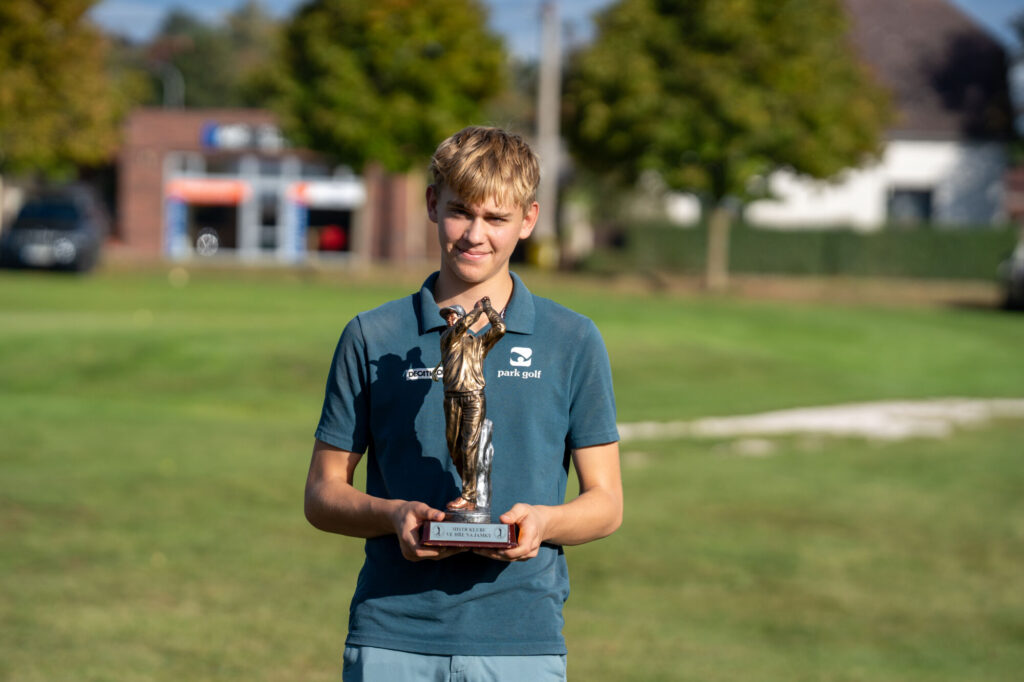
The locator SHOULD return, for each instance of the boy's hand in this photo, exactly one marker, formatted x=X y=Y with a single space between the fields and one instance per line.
x=533 y=522
x=407 y=519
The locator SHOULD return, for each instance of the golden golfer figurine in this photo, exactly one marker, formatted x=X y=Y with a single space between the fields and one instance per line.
x=468 y=431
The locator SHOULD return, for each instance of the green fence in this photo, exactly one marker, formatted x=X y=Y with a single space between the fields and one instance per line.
x=963 y=253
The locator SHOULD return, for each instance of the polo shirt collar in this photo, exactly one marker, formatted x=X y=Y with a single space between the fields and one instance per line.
x=519 y=315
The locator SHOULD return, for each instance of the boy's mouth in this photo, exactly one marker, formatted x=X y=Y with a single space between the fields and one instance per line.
x=471 y=254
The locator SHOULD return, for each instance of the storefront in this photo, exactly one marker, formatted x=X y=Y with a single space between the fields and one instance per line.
x=224 y=184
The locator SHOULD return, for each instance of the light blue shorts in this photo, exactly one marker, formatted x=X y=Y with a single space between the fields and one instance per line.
x=370 y=664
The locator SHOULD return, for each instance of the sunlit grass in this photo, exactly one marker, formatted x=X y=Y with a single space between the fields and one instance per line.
x=154 y=440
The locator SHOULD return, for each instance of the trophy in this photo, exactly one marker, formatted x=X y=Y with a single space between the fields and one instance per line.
x=468 y=432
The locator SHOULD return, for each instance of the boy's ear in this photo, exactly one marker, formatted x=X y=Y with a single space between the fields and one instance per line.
x=432 y=203
x=529 y=220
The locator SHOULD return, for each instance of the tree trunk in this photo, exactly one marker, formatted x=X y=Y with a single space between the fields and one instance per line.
x=716 y=272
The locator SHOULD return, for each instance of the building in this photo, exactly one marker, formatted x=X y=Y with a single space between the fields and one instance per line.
x=945 y=155
x=225 y=184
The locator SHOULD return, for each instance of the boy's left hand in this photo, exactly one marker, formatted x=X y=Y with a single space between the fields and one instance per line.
x=532 y=521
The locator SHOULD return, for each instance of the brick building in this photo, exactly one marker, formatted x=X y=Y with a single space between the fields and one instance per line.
x=225 y=184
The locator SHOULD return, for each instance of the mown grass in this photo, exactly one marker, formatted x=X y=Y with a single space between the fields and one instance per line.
x=154 y=440
x=830 y=560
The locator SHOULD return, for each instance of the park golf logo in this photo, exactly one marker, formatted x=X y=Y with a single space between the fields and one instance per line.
x=520 y=357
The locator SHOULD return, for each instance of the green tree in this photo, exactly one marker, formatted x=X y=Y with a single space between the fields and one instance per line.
x=201 y=55
x=712 y=94
x=254 y=36
x=58 y=108
x=218 y=62
x=385 y=80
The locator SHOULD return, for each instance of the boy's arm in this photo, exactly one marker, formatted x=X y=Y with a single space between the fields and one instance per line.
x=334 y=505
x=595 y=513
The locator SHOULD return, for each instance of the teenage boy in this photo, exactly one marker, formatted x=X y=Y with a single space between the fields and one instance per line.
x=432 y=612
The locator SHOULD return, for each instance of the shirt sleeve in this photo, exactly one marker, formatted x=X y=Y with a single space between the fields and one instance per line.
x=344 y=419
x=592 y=402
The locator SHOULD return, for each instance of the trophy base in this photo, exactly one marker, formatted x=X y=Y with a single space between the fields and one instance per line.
x=470 y=535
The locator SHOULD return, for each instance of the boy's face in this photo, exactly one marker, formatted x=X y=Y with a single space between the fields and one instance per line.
x=477 y=240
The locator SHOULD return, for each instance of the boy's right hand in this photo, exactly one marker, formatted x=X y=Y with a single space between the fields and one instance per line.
x=407 y=519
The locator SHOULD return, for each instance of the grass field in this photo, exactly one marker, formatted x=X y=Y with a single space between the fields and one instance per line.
x=155 y=434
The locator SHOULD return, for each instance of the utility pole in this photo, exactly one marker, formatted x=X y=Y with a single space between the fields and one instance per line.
x=545 y=239
x=174 y=86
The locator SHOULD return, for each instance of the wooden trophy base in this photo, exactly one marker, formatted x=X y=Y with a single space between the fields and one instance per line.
x=470 y=535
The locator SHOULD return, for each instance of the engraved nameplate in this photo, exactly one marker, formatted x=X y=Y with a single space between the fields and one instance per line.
x=446 y=533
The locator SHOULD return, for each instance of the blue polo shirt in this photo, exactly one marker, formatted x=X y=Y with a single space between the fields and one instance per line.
x=549 y=390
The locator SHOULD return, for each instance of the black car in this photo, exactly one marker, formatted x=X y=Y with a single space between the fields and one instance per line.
x=60 y=229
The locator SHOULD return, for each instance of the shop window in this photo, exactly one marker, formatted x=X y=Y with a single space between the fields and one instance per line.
x=270 y=167
x=268 y=205
x=223 y=165
x=329 y=230
x=314 y=169
x=212 y=228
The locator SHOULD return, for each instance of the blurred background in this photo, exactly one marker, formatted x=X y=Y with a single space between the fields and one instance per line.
x=797 y=224
x=839 y=138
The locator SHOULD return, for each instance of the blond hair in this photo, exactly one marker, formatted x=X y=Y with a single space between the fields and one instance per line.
x=480 y=163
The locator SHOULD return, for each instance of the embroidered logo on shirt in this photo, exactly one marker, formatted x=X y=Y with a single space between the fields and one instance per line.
x=521 y=357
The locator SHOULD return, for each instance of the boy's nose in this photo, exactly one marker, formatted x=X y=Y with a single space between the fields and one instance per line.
x=475 y=231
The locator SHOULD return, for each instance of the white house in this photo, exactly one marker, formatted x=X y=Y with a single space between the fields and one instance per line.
x=943 y=181
x=945 y=156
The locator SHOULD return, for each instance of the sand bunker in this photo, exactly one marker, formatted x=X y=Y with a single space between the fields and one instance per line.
x=891 y=420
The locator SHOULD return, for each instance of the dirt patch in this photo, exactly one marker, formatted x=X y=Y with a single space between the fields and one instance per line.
x=881 y=291
x=891 y=420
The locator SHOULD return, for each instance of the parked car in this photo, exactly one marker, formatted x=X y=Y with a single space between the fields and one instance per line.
x=1011 y=275
x=60 y=228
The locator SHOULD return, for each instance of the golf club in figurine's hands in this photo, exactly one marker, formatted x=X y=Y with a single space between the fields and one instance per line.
x=468 y=432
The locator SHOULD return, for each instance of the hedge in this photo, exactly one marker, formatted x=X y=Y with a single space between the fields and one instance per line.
x=963 y=253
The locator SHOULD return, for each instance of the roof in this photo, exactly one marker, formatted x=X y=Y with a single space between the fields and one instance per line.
x=947 y=75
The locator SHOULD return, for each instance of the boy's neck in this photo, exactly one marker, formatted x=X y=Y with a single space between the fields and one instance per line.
x=449 y=290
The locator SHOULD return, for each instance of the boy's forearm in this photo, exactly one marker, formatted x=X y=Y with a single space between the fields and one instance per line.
x=338 y=507
x=597 y=511
x=595 y=514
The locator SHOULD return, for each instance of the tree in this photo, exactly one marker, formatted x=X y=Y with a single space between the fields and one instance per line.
x=200 y=54
x=221 y=63
x=253 y=35
x=712 y=94
x=385 y=80
x=57 y=106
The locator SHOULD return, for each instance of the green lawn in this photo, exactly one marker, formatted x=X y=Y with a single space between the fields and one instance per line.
x=154 y=440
